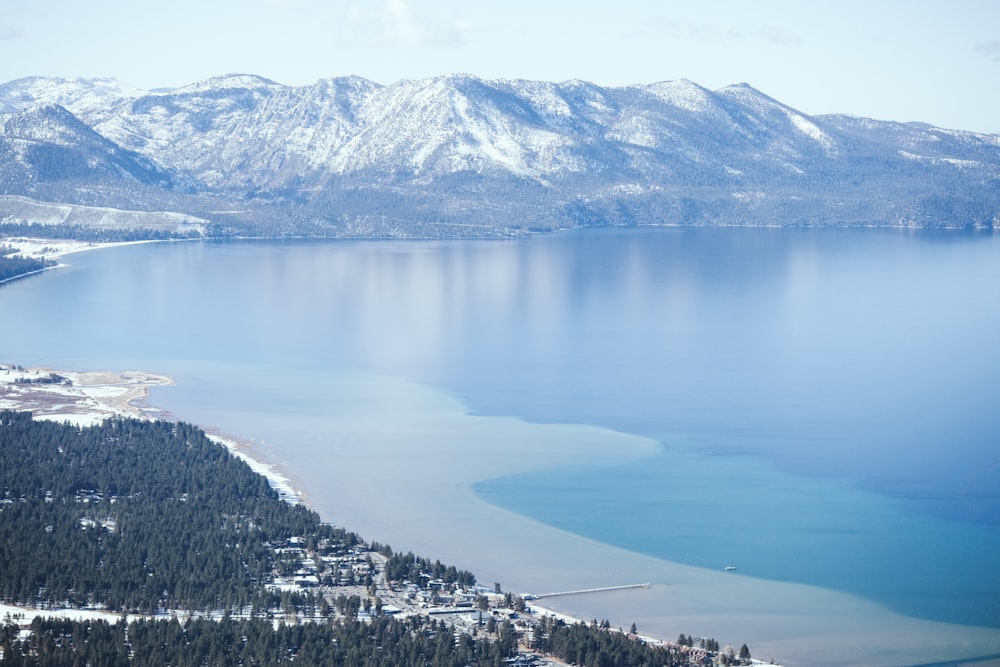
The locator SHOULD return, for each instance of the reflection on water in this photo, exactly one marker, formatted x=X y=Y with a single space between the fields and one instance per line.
x=866 y=359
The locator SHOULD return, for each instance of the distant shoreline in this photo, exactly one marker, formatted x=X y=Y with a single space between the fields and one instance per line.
x=53 y=250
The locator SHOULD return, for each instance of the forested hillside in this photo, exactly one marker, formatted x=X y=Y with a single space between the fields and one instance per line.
x=382 y=642
x=138 y=516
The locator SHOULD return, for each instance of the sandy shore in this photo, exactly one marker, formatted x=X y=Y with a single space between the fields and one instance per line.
x=81 y=398
x=402 y=474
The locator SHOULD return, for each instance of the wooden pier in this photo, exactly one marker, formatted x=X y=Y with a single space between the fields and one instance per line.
x=583 y=591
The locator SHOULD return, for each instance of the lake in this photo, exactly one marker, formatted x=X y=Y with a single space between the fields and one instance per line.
x=814 y=406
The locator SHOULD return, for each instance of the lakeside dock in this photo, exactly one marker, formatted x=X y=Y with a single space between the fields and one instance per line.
x=585 y=591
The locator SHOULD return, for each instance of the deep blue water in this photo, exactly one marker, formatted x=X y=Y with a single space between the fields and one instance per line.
x=826 y=399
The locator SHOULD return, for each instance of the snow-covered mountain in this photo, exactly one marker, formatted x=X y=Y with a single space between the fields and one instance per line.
x=462 y=155
x=49 y=143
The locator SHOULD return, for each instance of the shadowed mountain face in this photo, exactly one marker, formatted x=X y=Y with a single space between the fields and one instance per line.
x=458 y=155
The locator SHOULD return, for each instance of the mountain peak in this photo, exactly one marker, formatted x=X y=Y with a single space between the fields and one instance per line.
x=228 y=81
x=682 y=93
x=47 y=122
x=340 y=82
x=48 y=144
x=75 y=94
x=744 y=93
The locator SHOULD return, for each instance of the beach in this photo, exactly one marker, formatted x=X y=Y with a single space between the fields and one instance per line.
x=402 y=474
x=82 y=398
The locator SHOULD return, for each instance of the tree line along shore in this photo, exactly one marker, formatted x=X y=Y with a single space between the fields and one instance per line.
x=13 y=265
x=30 y=247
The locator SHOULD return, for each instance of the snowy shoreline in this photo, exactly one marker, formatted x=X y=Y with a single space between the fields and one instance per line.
x=55 y=249
x=52 y=250
x=87 y=398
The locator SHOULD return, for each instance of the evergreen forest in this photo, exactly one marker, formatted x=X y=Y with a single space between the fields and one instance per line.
x=13 y=265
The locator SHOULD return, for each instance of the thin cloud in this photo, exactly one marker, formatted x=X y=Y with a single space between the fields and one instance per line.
x=289 y=4
x=395 y=25
x=779 y=36
x=989 y=49
x=712 y=34
x=659 y=28
x=10 y=32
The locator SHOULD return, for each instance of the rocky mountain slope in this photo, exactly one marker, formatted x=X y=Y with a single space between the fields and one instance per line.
x=457 y=155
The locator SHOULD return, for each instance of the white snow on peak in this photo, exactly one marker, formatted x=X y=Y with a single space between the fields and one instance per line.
x=742 y=89
x=545 y=98
x=591 y=95
x=227 y=81
x=808 y=128
x=497 y=147
x=243 y=130
x=750 y=96
x=79 y=96
x=682 y=94
x=445 y=125
x=342 y=84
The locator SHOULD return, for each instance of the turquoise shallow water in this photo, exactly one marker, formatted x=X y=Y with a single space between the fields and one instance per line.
x=825 y=398
x=730 y=511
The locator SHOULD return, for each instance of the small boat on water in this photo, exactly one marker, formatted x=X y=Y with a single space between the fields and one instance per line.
x=730 y=568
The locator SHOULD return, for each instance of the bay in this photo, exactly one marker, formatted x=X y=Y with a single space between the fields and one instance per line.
x=820 y=403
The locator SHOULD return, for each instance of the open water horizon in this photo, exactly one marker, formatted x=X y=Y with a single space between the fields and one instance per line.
x=825 y=399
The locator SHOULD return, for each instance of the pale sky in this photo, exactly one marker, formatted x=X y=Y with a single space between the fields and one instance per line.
x=936 y=61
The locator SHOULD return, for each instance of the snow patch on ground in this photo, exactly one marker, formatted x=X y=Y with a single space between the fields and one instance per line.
x=940 y=160
x=53 y=248
x=809 y=129
x=15 y=208
x=278 y=482
x=82 y=398
x=25 y=615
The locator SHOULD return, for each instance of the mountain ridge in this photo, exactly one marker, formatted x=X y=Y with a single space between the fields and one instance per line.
x=346 y=156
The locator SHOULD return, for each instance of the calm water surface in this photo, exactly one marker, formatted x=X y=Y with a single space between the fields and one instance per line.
x=826 y=399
